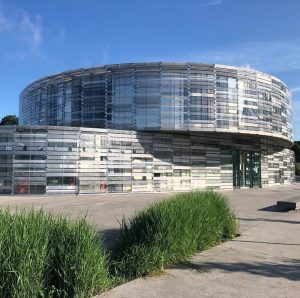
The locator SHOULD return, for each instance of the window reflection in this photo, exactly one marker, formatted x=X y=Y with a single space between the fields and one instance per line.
x=161 y=96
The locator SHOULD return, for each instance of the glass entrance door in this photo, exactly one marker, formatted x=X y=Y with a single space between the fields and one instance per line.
x=246 y=169
x=255 y=160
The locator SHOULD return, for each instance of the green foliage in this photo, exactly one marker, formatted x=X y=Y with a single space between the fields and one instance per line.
x=171 y=231
x=296 y=149
x=46 y=256
x=297 y=169
x=9 y=120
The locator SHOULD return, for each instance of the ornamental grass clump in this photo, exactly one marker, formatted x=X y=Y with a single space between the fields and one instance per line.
x=171 y=231
x=42 y=255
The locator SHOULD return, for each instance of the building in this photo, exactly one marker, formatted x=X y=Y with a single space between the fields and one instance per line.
x=149 y=127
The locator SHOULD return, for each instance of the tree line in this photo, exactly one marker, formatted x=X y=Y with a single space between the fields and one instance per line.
x=9 y=120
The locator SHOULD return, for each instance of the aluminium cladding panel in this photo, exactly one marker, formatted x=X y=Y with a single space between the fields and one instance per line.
x=181 y=163
x=119 y=156
x=62 y=160
x=162 y=162
x=86 y=160
x=29 y=167
x=6 y=159
x=162 y=96
x=92 y=161
x=226 y=171
x=227 y=98
x=278 y=167
x=142 y=162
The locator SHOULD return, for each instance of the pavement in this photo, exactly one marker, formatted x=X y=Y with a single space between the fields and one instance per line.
x=264 y=261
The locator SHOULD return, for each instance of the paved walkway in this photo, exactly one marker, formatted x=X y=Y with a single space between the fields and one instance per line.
x=263 y=262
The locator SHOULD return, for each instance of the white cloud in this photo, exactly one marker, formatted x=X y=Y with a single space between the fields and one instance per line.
x=296 y=89
x=269 y=56
x=24 y=27
x=31 y=30
x=212 y=3
x=5 y=23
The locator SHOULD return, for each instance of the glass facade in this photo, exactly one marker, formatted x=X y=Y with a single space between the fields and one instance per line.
x=49 y=159
x=162 y=97
x=142 y=127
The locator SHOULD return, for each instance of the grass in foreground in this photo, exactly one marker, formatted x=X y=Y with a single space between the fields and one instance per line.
x=42 y=255
x=171 y=231
x=46 y=256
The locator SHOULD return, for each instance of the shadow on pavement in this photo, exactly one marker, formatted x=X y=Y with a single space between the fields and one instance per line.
x=287 y=268
x=264 y=242
x=270 y=220
x=272 y=208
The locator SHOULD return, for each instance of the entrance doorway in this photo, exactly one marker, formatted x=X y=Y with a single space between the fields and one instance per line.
x=246 y=169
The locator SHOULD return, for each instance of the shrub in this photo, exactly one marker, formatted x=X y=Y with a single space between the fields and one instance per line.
x=171 y=231
x=44 y=256
x=297 y=169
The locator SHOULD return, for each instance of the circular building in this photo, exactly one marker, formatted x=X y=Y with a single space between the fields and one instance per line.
x=162 y=97
x=151 y=127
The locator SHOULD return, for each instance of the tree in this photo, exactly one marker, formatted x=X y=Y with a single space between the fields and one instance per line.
x=297 y=169
x=9 y=120
x=296 y=149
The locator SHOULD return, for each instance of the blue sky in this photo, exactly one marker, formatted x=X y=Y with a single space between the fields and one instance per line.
x=41 y=37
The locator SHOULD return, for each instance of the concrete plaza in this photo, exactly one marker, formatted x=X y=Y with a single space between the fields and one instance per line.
x=263 y=262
